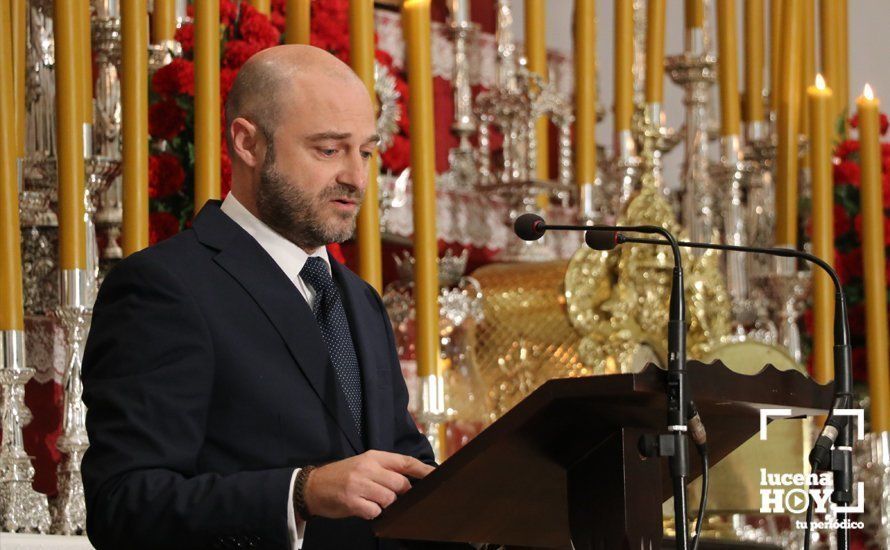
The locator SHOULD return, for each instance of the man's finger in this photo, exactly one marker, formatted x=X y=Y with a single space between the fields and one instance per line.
x=403 y=464
x=367 y=509
x=393 y=481
x=376 y=493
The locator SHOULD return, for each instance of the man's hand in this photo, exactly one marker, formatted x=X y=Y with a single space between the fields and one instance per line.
x=362 y=485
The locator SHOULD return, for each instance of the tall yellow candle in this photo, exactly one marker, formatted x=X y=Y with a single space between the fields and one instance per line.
x=655 y=51
x=262 y=6
x=416 y=27
x=134 y=121
x=808 y=66
x=17 y=12
x=788 y=125
x=874 y=260
x=695 y=14
x=821 y=106
x=69 y=135
x=11 y=315
x=728 y=67
x=624 y=58
x=361 y=44
x=536 y=53
x=85 y=60
x=829 y=46
x=843 y=61
x=775 y=51
x=753 y=111
x=163 y=21
x=297 y=18
x=585 y=91
x=207 y=107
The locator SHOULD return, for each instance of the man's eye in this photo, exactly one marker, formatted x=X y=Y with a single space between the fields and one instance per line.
x=367 y=155
x=328 y=152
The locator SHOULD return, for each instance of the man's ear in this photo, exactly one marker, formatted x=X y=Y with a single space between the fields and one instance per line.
x=245 y=141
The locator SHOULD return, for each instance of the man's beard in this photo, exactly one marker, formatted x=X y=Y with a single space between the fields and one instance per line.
x=296 y=215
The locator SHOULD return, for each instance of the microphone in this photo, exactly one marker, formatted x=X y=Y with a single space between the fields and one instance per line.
x=838 y=430
x=601 y=240
x=532 y=227
x=529 y=227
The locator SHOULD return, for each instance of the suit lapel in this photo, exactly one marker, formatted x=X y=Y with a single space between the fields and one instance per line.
x=246 y=261
x=364 y=323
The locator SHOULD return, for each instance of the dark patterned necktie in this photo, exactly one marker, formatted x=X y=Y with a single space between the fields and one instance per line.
x=331 y=317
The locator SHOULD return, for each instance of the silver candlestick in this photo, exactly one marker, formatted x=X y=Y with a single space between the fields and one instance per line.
x=74 y=315
x=732 y=173
x=462 y=158
x=512 y=107
x=664 y=139
x=760 y=215
x=625 y=168
x=22 y=509
x=101 y=172
x=788 y=288
x=695 y=71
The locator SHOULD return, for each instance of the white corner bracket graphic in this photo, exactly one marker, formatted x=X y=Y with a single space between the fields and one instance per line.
x=860 y=420
x=860 y=498
x=766 y=414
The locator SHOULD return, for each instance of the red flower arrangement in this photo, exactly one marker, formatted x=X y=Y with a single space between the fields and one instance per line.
x=848 y=234
x=165 y=175
x=245 y=32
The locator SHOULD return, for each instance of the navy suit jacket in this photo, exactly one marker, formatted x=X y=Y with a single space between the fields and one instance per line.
x=207 y=382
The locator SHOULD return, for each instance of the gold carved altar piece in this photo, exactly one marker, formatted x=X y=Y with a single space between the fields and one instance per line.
x=600 y=313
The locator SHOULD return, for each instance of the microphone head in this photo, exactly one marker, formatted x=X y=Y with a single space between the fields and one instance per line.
x=601 y=239
x=529 y=227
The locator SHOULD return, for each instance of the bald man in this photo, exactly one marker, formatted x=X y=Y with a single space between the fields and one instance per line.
x=243 y=387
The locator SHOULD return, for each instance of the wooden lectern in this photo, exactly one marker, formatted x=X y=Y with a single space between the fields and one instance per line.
x=563 y=466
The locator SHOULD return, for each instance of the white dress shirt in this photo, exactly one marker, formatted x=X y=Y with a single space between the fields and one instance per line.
x=291 y=259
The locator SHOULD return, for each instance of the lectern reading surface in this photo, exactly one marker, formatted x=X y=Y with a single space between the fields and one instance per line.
x=563 y=465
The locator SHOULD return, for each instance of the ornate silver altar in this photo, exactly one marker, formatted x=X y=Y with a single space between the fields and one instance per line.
x=22 y=509
x=512 y=108
x=73 y=312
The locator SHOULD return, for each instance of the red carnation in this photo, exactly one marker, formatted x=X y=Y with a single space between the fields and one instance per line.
x=398 y=156
x=278 y=21
x=161 y=225
x=165 y=175
x=226 y=79
x=165 y=120
x=177 y=77
x=228 y=12
x=884 y=123
x=850 y=264
x=330 y=28
x=383 y=58
x=256 y=27
x=185 y=35
x=842 y=223
x=846 y=147
x=847 y=172
x=239 y=51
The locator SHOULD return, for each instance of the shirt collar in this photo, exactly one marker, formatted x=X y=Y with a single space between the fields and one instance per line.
x=289 y=257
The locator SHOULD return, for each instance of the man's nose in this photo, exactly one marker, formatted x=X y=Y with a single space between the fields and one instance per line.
x=356 y=172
